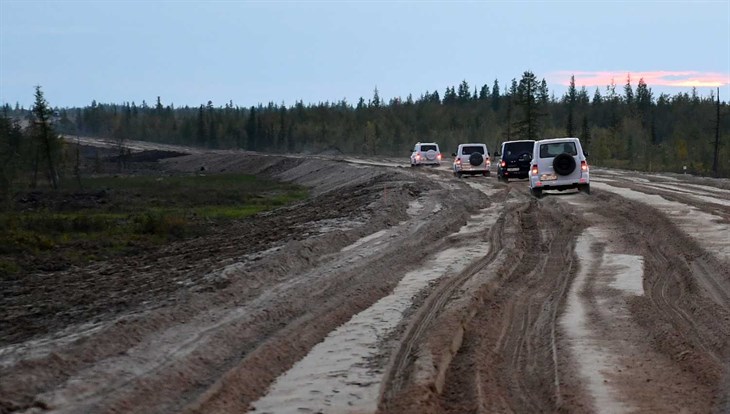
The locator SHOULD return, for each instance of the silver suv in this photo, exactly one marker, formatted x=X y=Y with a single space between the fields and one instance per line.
x=471 y=159
x=558 y=164
x=425 y=153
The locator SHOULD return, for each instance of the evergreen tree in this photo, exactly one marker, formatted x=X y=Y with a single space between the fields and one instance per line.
x=628 y=92
x=495 y=96
x=571 y=98
x=513 y=87
x=464 y=95
x=252 y=129
x=201 y=136
x=484 y=93
x=583 y=99
x=542 y=93
x=212 y=140
x=11 y=136
x=49 y=142
x=644 y=100
x=376 y=99
x=597 y=98
x=528 y=126
x=435 y=98
x=450 y=96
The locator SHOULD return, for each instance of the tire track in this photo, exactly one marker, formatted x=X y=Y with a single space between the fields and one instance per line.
x=397 y=376
x=508 y=358
x=535 y=304
x=686 y=307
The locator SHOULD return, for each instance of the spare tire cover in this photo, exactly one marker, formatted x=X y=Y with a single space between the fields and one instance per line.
x=431 y=155
x=476 y=159
x=564 y=164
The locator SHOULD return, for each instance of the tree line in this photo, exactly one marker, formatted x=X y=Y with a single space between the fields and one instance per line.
x=625 y=127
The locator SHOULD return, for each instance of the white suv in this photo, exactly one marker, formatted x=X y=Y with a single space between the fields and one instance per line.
x=558 y=164
x=471 y=159
x=425 y=153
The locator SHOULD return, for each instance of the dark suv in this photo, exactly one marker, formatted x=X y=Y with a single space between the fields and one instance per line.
x=515 y=159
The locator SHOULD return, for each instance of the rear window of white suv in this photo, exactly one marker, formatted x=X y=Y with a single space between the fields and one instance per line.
x=426 y=148
x=557 y=148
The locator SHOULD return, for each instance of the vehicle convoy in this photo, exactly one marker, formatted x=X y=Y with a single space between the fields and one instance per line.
x=471 y=159
x=425 y=153
x=515 y=157
x=558 y=164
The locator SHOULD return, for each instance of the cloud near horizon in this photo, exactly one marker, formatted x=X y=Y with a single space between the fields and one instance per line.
x=680 y=79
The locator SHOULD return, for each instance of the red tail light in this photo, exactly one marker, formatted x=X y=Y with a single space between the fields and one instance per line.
x=534 y=169
x=503 y=164
x=583 y=166
x=438 y=156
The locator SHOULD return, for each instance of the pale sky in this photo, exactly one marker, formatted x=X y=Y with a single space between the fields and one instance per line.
x=189 y=52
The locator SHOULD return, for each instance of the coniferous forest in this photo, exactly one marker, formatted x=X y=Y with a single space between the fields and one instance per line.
x=623 y=126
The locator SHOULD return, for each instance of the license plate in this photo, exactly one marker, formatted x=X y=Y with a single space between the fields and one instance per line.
x=548 y=177
x=513 y=169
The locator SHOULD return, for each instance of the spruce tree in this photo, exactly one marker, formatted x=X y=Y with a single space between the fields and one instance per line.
x=201 y=136
x=375 y=103
x=11 y=136
x=628 y=92
x=464 y=93
x=47 y=138
x=542 y=93
x=484 y=93
x=526 y=98
x=252 y=129
x=570 y=99
x=495 y=96
x=644 y=100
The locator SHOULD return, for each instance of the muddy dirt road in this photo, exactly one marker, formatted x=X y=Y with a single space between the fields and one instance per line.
x=395 y=290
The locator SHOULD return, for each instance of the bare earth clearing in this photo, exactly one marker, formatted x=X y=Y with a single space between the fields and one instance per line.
x=399 y=290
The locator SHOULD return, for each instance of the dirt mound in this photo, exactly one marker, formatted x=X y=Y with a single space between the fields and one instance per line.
x=146 y=156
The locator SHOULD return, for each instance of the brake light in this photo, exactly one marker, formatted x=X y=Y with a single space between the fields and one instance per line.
x=418 y=155
x=458 y=160
x=583 y=166
x=438 y=156
x=534 y=169
x=503 y=164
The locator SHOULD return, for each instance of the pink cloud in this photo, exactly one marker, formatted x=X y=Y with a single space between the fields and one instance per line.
x=652 y=78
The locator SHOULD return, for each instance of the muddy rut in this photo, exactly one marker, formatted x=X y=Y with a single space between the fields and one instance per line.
x=398 y=290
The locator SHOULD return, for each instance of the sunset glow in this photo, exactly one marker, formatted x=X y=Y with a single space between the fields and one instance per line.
x=652 y=78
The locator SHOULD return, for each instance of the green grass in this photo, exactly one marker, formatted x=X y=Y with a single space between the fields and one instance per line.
x=123 y=215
